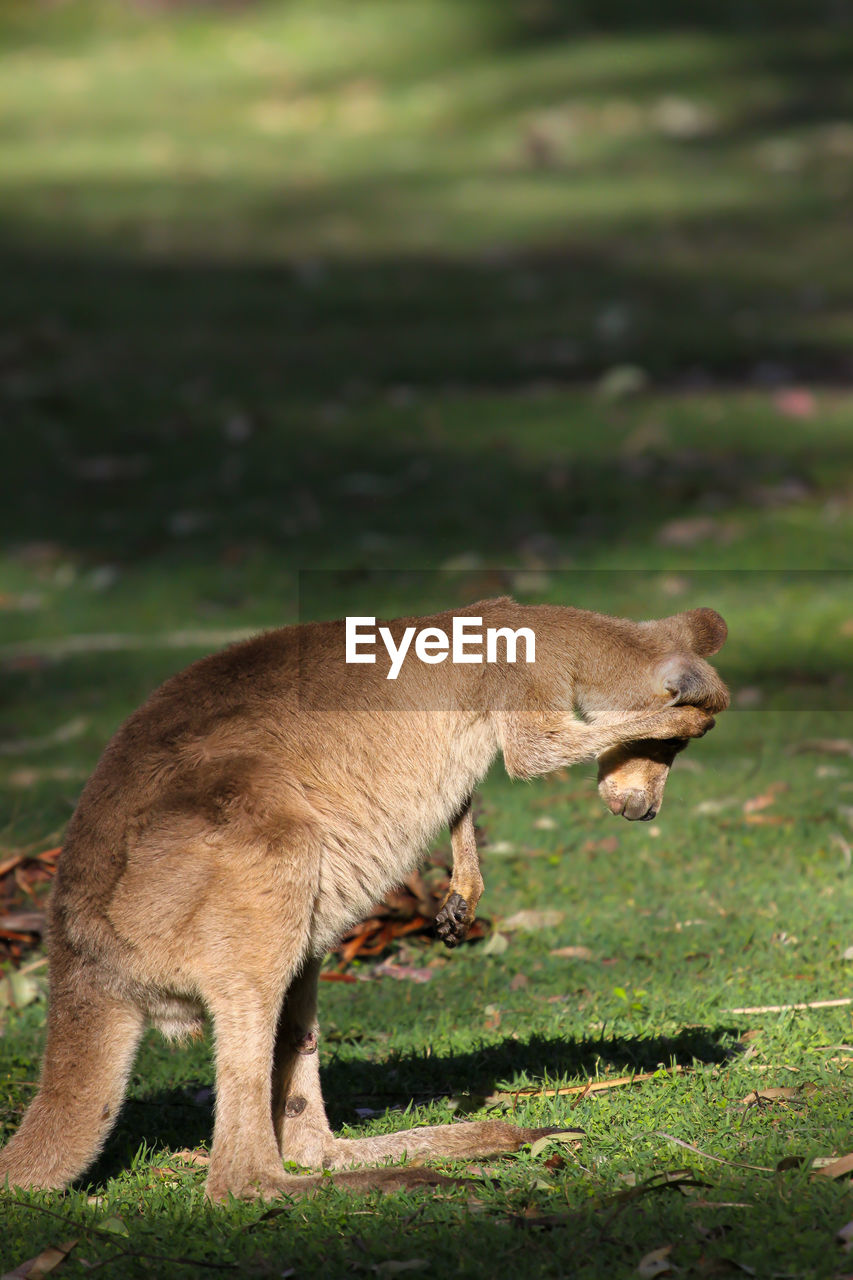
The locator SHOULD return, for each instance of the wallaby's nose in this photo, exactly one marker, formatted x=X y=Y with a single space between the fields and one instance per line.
x=636 y=806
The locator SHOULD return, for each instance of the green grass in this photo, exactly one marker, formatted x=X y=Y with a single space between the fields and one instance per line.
x=310 y=309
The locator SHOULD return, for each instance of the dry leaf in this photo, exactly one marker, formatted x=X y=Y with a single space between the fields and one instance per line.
x=712 y=806
x=531 y=921
x=193 y=1157
x=766 y=798
x=572 y=953
x=503 y=848
x=837 y=1168
x=404 y=972
x=48 y=1260
x=781 y=1094
x=568 y=1137
x=610 y=844
x=495 y=945
x=844 y=1236
x=656 y=1263
x=114 y=1224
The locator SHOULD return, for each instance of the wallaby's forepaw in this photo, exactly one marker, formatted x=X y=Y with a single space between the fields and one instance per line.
x=674 y=722
x=453 y=920
x=691 y=722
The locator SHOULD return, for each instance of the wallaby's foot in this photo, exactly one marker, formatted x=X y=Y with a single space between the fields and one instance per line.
x=453 y=920
x=266 y=1184
x=400 y=1177
x=270 y=1186
x=347 y=1156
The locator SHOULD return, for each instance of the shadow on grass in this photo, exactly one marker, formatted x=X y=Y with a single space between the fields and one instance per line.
x=489 y=1068
x=204 y=412
x=183 y=1118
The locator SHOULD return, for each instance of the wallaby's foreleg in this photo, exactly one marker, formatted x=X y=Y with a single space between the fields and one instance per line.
x=466 y=884
x=533 y=744
x=91 y=1043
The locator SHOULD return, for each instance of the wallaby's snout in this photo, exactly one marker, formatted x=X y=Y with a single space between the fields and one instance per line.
x=636 y=807
x=631 y=778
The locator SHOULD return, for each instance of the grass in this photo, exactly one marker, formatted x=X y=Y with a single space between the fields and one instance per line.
x=314 y=309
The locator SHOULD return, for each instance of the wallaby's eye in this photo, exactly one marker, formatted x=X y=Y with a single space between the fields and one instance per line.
x=684 y=681
x=693 y=683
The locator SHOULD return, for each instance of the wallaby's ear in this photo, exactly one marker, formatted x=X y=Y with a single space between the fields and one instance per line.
x=703 y=631
x=708 y=631
x=692 y=683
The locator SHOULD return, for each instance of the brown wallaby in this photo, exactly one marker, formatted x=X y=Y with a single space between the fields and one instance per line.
x=255 y=807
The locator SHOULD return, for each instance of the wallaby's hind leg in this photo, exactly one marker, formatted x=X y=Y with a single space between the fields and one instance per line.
x=245 y=1005
x=303 y=1129
x=299 y=1117
x=91 y=1043
x=244 y=1159
x=466 y=884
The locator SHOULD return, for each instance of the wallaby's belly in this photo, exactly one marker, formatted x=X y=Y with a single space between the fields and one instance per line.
x=381 y=836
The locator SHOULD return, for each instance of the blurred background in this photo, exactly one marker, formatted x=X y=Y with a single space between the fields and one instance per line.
x=316 y=307
x=541 y=296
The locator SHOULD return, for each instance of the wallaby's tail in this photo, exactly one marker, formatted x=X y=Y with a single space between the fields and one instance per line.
x=91 y=1044
x=471 y=1138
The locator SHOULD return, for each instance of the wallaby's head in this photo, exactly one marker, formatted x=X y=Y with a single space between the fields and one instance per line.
x=632 y=777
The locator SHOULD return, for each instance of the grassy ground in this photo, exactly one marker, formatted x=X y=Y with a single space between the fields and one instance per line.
x=312 y=309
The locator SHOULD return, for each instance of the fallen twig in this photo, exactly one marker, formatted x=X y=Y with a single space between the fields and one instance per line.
x=591 y=1086
x=785 y=1008
x=706 y=1155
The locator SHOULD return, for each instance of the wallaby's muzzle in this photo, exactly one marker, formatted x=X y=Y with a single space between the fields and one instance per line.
x=632 y=777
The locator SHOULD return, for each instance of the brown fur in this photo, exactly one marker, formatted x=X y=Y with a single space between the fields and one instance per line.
x=252 y=810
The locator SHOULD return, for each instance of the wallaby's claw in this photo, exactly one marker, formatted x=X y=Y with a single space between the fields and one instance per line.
x=451 y=923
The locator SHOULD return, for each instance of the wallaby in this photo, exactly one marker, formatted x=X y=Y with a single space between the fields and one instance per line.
x=253 y=809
